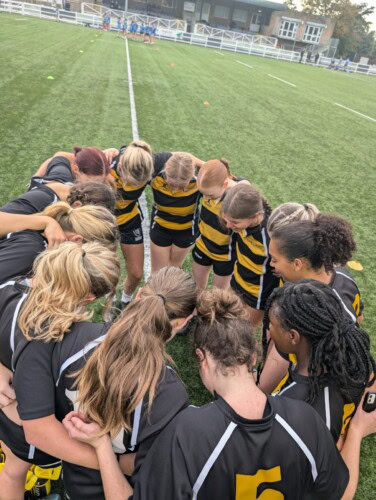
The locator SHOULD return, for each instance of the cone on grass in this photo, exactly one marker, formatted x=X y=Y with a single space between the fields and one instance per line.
x=355 y=265
x=206 y=103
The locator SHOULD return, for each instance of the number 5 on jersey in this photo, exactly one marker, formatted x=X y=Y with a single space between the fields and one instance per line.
x=246 y=486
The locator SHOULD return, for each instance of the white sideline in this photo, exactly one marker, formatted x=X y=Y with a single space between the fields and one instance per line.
x=356 y=112
x=248 y=66
x=284 y=81
x=142 y=199
x=219 y=53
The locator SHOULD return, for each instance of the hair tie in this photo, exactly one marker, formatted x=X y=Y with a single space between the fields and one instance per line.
x=162 y=297
x=306 y=207
x=83 y=253
x=70 y=211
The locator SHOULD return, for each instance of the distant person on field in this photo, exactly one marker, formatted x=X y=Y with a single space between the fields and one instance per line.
x=317 y=57
x=302 y=55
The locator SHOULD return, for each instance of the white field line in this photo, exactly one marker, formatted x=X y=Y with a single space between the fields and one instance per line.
x=284 y=81
x=219 y=53
x=353 y=111
x=248 y=66
x=142 y=199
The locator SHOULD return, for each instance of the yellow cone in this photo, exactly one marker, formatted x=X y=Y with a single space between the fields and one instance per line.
x=172 y=65
x=355 y=265
x=206 y=103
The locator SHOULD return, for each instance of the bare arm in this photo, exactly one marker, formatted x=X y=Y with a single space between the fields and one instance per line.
x=50 y=436
x=115 y=485
x=7 y=394
x=363 y=424
x=10 y=223
x=43 y=168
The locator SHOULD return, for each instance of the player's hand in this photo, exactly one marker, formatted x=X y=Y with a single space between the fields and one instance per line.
x=364 y=422
x=53 y=232
x=80 y=428
x=110 y=154
x=7 y=394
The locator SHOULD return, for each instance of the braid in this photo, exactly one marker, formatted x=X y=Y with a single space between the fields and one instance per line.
x=340 y=350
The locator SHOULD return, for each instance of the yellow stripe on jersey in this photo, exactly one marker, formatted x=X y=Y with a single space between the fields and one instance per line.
x=293 y=359
x=356 y=305
x=216 y=236
x=281 y=384
x=124 y=218
x=248 y=263
x=248 y=287
x=348 y=410
x=161 y=185
x=256 y=247
x=182 y=211
x=215 y=256
x=247 y=485
x=172 y=225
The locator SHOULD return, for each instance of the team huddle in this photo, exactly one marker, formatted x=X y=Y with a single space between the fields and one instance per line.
x=103 y=401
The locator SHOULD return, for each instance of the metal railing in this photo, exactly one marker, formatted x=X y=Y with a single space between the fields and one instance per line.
x=235 y=36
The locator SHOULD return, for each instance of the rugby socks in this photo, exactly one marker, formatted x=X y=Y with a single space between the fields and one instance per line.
x=125 y=299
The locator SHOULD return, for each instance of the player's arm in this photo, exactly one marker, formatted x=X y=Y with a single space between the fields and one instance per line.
x=43 y=168
x=7 y=394
x=362 y=424
x=115 y=484
x=10 y=223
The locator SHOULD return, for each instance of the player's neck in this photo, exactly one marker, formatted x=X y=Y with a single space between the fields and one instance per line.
x=320 y=275
x=239 y=390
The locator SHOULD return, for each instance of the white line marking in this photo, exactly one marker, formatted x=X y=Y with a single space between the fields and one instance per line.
x=248 y=66
x=142 y=199
x=219 y=53
x=280 y=79
x=356 y=112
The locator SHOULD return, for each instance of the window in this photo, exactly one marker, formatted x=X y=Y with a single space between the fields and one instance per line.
x=221 y=11
x=240 y=15
x=312 y=33
x=288 y=29
x=256 y=18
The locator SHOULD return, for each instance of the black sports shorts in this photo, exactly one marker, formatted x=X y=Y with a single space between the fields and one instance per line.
x=220 y=268
x=166 y=237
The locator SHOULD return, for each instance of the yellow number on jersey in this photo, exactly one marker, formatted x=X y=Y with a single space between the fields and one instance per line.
x=356 y=304
x=246 y=486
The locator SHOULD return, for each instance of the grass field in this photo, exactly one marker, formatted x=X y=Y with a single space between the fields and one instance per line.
x=290 y=140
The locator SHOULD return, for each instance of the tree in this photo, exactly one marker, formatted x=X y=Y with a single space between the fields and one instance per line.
x=291 y=4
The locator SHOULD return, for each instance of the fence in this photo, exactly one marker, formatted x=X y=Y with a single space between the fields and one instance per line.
x=173 y=33
x=234 y=36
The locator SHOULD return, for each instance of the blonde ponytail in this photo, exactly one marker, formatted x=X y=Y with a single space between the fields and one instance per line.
x=127 y=365
x=92 y=222
x=64 y=278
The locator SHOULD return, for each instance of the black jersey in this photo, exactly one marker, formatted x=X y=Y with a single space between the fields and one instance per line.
x=334 y=408
x=174 y=210
x=128 y=211
x=12 y=344
x=253 y=276
x=32 y=202
x=58 y=170
x=18 y=252
x=171 y=397
x=211 y=452
x=347 y=291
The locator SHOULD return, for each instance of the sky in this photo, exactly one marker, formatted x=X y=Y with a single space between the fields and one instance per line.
x=371 y=18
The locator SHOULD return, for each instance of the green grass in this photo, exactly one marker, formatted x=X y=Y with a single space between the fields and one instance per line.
x=292 y=142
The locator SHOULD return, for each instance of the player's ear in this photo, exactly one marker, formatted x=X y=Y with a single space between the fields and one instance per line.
x=299 y=264
x=76 y=238
x=294 y=337
x=200 y=354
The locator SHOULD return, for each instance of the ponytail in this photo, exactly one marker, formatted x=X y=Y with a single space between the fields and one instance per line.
x=325 y=242
x=63 y=280
x=128 y=364
x=339 y=349
x=223 y=329
x=93 y=223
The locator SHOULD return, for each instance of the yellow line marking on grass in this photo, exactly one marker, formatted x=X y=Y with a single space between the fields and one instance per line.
x=248 y=66
x=284 y=81
x=356 y=112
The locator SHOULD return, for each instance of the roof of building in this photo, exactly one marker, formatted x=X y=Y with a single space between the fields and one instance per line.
x=266 y=4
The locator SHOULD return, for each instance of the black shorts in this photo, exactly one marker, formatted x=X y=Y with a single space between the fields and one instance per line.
x=220 y=268
x=133 y=236
x=166 y=237
x=14 y=437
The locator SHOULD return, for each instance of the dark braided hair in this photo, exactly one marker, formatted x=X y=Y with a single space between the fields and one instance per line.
x=325 y=242
x=340 y=350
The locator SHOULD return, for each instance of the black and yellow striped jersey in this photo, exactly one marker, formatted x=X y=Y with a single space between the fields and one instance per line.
x=252 y=272
x=127 y=211
x=347 y=291
x=214 y=453
x=174 y=210
x=334 y=408
x=215 y=240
